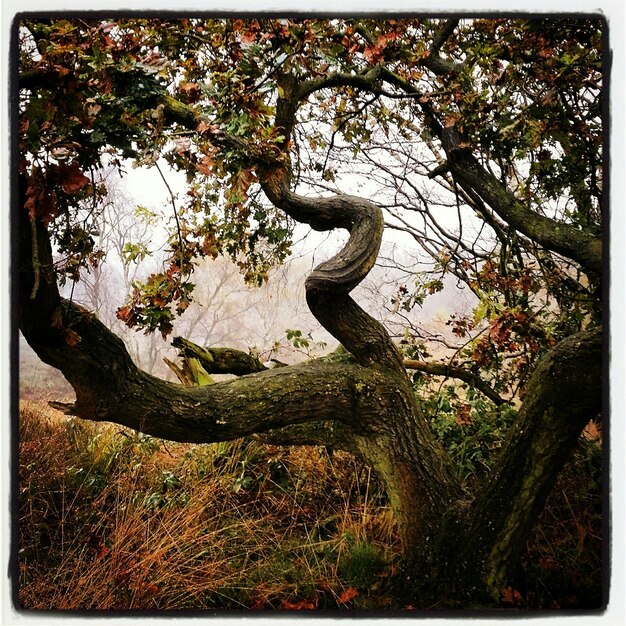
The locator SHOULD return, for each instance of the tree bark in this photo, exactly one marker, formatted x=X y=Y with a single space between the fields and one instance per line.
x=371 y=402
x=564 y=393
x=572 y=242
x=367 y=407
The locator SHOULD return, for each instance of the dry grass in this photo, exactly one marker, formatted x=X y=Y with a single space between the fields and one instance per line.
x=109 y=519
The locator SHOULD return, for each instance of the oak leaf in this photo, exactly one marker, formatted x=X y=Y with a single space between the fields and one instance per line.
x=511 y=596
x=71 y=177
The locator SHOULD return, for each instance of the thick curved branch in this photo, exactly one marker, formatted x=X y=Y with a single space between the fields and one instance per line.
x=581 y=246
x=110 y=388
x=566 y=239
x=329 y=284
x=563 y=394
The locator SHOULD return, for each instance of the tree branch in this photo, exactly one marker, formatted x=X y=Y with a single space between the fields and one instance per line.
x=365 y=81
x=442 y=35
x=109 y=387
x=441 y=369
x=576 y=244
x=435 y=61
x=565 y=239
x=563 y=394
x=219 y=360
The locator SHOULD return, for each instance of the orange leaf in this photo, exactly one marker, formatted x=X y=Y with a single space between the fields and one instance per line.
x=248 y=37
x=189 y=87
x=511 y=596
x=592 y=432
x=349 y=594
x=297 y=606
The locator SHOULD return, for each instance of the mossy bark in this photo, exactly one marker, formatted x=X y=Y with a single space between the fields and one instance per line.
x=451 y=546
x=564 y=393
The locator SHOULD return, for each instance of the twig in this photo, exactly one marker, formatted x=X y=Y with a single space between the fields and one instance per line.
x=178 y=230
x=441 y=369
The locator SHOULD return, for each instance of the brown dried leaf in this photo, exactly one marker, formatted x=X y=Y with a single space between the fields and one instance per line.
x=511 y=596
x=72 y=338
x=71 y=177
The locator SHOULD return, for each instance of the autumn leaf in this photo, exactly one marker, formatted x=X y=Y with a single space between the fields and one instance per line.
x=249 y=36
x=373 y=54
x=190 y=92
x=127 y=315
x=205 y=165
x=237 y=24
x=189 y=88
x=349 y=594
x=40 y=201
x=511 y=596
x=592 y=432
x=298 y=606
x=70 y=177
x=463 y=418
x=205 y=127
x=241 y=181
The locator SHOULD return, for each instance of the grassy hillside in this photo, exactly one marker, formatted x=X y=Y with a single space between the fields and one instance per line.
x=111 y=519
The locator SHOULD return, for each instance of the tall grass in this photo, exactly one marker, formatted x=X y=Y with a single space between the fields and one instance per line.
x=110 y=519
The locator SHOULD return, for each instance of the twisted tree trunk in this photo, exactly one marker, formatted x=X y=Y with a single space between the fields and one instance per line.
x=451 y=544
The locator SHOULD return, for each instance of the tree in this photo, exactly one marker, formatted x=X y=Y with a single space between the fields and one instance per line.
x=495 y=121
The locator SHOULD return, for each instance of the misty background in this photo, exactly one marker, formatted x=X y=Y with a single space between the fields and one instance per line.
x=225 y=311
